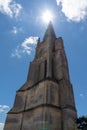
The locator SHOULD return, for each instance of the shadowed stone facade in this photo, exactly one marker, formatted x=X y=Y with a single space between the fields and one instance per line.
x=46 y=100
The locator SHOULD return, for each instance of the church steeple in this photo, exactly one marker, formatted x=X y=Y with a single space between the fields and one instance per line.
x=49 y=32
x=46 y=100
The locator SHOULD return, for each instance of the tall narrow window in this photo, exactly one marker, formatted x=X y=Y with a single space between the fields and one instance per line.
x=52 y=68
x=45 y=72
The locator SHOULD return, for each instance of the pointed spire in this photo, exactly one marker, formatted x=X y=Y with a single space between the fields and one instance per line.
x=49 y=32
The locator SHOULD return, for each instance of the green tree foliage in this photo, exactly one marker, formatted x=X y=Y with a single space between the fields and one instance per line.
x=82 y=123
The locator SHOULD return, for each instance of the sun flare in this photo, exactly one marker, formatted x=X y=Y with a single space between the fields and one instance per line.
x=47 y=16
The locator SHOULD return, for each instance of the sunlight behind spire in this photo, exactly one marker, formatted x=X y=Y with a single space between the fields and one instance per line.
x=47 y=16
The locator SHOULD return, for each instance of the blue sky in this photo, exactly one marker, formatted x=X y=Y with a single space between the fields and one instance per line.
x=20 y=25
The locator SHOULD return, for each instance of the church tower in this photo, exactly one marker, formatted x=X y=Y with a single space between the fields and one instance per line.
x=46 y=100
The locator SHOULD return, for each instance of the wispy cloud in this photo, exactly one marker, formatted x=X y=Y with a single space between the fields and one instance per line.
x=27 y=46
x=81 y=95
x=16 y=30
x=1 y=126
x=10 y=8
x=74 y=10
x=4 y=108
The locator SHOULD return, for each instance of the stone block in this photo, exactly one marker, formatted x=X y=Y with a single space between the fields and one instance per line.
x=42 y=71
x=35 y=96
x=59 y=44
x=52 y=93
x=13 y=122
x=19 y=103
x=69 y=119
x=33 y=119
x=33 y=72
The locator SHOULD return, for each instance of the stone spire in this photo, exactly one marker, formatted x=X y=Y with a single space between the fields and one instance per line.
x=46 y=100
x=49 y=33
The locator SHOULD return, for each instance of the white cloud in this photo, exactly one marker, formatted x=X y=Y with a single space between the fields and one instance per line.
x=26 y=47
x=4 y=108
x=16 y=8
x=1 y=126
x=75 y=10
x=10 y=8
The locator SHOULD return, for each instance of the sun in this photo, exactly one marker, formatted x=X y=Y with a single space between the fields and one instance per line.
x=47 y=16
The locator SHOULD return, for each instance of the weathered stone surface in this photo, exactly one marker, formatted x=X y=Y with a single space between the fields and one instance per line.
x=46 y=92
x=35 y=96
x=33 y=119
x=42 y=118
x=13 y=122
x=52 y=93
x=66 y=94
x=19 y=103
x=69 y=119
